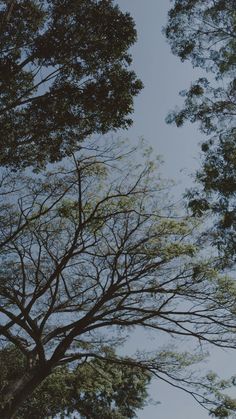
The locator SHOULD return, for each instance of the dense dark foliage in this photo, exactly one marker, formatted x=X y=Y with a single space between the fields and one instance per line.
x=64 y=70
x=96 y=389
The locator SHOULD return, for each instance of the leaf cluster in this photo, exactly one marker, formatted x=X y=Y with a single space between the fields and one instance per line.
x=64 y=69
x=204 y=33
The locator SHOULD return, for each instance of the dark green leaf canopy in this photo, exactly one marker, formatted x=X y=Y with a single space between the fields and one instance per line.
x=64 y=70
x=97 y=389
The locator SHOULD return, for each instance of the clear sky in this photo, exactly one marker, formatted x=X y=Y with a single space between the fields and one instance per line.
x=164 y=76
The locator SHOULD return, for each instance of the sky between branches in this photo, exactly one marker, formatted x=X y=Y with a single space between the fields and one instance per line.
x=164 y=76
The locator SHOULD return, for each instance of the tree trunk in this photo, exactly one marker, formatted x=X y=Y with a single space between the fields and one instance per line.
x=18 y=392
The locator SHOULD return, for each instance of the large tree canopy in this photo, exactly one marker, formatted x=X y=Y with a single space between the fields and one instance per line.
x=64 y=70
x=92 y=249
x=204 y=33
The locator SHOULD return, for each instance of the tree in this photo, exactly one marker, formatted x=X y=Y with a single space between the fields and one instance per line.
x=204 y=33
x=64 y=69
x=89 y=251
x=96 y=389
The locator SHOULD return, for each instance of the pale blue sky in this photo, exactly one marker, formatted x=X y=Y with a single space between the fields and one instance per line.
x=164 y=76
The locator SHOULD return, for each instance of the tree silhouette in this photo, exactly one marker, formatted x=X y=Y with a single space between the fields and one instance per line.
x=204 y=33
x=90 y=250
